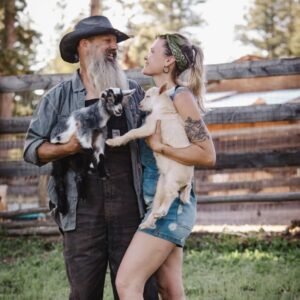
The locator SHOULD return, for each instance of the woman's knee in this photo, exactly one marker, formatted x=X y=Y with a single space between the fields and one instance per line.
x=128 y=286
x=171 y=290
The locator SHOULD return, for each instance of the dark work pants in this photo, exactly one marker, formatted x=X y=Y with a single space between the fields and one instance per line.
x=105 y=225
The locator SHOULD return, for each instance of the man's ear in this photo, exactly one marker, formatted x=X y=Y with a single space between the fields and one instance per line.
x=163 y=88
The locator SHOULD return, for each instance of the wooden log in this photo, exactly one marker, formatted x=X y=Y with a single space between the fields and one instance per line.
x=24 y=190
x=248 y=69
x=274 y=171
x=224 y=161
x=205 y=187
x=11 y=144
x=225 y=115
x=258 y=160
x=264 y=197
x=3 y=193
x=253 y=114
x=42 y=190
x=257 y=144
x=14 y=125
x=21 y=168
x=19 y=181
x=19 y=212
x=6 y=104
x=274 y=129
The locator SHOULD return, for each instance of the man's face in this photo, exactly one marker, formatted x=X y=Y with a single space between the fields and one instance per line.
x=105 y=44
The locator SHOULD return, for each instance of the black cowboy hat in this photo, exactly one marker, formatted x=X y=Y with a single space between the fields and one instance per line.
x=91 y=26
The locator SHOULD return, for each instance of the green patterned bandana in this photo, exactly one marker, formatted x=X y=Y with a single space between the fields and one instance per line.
x=181 y=60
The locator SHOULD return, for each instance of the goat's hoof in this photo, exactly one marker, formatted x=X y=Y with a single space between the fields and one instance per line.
x=159 y=214
x=110 y=142
x=147 y=224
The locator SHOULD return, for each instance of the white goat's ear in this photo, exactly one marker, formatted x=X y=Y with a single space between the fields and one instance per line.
x=128 y=92
x=163 y=88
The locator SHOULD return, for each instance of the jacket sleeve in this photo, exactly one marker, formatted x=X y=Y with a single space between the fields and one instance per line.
x=42 y=122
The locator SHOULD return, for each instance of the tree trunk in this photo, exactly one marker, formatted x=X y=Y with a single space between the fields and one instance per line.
x=9 y=24
x=6 y=100
x=6 y=105
x=96 y=7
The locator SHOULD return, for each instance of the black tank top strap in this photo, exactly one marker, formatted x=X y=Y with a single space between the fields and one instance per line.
x=177 y=89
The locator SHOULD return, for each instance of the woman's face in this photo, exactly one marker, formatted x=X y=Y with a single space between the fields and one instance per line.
x=155 y=59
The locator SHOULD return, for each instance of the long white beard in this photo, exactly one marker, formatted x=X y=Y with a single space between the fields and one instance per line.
x=105 y=74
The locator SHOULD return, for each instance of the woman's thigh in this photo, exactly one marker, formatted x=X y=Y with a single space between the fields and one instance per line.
x=169 y=275
x=144 y=256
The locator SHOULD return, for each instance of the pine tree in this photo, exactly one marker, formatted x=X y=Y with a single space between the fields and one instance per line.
x=272 y=26
x=17 y=40
x=150 y=18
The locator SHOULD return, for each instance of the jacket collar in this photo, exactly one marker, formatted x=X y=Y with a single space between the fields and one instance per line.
x=77 y=83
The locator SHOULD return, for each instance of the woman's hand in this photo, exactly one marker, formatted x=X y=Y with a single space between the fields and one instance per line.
x=154 y=141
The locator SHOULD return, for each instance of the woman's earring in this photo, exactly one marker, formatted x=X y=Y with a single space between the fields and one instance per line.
x=166 y=69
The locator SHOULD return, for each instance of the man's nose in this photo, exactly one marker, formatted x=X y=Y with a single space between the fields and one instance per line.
x=113 y=45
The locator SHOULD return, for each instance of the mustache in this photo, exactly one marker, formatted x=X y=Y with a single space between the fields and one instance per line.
x=112 y=52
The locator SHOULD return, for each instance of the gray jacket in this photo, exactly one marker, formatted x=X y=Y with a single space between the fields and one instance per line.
x=58 y=103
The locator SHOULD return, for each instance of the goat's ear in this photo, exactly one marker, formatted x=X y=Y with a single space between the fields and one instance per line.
x=163 y=88
x=128 y=92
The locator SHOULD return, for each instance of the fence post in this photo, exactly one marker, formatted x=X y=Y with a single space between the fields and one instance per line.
x=42 y=190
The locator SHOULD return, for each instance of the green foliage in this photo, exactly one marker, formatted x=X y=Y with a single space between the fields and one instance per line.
x=272 y=27
x=152 y=18
x=19 y=58
x=216 y=267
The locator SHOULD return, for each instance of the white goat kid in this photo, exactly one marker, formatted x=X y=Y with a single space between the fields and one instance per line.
x=174 y=177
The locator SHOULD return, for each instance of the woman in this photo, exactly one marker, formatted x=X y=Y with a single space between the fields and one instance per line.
x=160 y=250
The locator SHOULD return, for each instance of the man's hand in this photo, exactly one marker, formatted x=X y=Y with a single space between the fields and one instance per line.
x=154 y=141
x=73 y=145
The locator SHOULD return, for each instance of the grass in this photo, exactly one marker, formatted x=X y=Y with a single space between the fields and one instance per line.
x=215 y=267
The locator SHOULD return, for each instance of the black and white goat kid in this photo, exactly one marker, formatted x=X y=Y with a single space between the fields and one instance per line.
x=89 y=126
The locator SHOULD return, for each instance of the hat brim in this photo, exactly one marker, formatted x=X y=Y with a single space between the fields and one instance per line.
x=68 y=44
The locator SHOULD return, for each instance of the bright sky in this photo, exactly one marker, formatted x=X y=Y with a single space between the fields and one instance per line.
x=218 y=40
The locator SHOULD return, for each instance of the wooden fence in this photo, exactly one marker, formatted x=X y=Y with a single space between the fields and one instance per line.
x=249 y=140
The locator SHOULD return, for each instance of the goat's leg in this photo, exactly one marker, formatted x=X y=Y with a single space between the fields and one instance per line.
x=157 y=201
x=99 y=146
x=185 y=193
x=58 y=172
x=171 y=189
x=85 y=138
x=144 y=131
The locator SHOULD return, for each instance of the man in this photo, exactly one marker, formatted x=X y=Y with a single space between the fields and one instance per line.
x=96 y=232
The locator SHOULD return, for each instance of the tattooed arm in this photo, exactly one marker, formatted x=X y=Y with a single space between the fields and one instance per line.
x=201 y=152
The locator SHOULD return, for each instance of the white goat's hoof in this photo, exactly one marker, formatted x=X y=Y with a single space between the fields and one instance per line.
x=147 y=224
x=113 y=142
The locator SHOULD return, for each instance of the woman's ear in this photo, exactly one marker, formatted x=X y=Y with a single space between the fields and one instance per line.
x=170 y=60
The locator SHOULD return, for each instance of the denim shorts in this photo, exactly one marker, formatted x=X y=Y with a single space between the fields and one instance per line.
x=177 y=225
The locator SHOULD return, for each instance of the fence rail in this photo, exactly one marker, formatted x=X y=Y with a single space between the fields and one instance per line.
x=248 y=69
x=279 y=131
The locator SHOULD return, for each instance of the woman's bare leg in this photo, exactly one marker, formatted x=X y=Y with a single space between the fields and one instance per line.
x=143 y=257
x=169 y=276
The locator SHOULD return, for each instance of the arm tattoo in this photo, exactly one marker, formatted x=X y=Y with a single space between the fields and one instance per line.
x=195 y=130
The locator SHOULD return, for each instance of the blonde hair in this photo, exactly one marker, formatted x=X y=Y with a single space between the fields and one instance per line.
x=193 y=75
